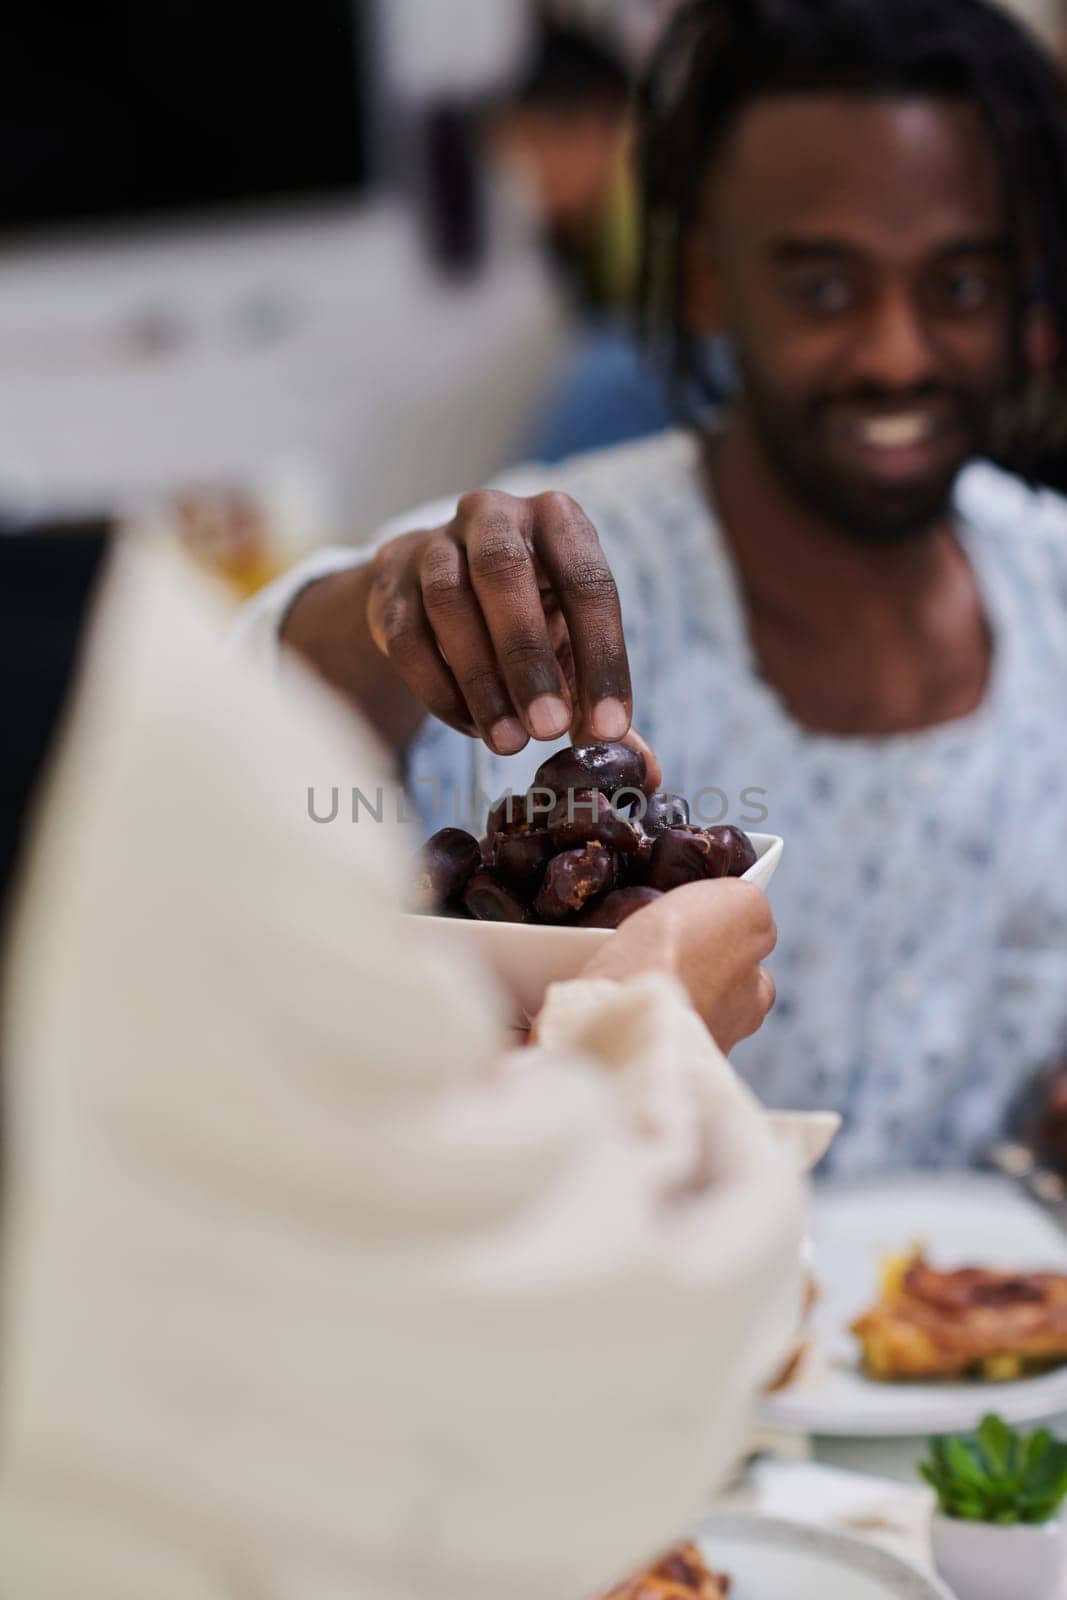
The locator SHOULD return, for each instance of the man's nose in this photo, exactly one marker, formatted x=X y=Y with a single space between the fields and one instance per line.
x=897 y=352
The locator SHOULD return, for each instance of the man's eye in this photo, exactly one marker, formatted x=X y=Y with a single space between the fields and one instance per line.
x=968 y=291
x=827 y=295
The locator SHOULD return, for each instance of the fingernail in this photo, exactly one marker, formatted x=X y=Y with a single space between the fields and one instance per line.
x=548 y=716
x=507 y=736
x=610 y=720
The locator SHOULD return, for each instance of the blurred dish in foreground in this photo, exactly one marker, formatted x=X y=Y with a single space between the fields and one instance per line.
x=683 y=1574
x=768 y=1559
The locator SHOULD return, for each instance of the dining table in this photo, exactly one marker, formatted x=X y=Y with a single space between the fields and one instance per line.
x=853 y=1479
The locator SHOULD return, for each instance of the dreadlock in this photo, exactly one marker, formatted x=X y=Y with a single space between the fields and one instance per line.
x=718 y=56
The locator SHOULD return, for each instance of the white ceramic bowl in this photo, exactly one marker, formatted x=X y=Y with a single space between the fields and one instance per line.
x=982 y=1562
x=527 y=958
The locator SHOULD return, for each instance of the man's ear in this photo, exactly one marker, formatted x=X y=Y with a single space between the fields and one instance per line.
x=702 y=298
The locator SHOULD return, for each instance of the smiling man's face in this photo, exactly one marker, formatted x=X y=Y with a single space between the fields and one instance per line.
x=856 y=251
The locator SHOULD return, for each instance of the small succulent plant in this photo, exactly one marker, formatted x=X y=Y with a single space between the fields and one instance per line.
x=998 y=1475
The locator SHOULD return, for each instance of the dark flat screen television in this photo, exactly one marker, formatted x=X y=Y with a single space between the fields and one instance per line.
x=129 y=109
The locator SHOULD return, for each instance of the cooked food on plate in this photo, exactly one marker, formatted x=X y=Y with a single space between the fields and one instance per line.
x=681 y=1575
x=585 y=847
x=973 y=1322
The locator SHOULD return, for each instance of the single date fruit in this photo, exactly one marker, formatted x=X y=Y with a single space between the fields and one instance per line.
x=686 y=855
x=636 y=869
x=740 y=851
x=663 y=811
x=585 y=816
x=573 y=879
x=488 y=900
x=613 y=910
x=519 y=859
x=514 y=813
x=607 y=767
x=446 y=864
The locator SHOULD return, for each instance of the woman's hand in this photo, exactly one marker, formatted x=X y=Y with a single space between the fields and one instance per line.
x=712 y=937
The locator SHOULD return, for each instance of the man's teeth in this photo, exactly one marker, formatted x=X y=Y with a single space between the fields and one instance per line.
x=895 y=433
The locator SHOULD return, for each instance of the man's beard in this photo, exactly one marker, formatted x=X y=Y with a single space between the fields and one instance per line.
x=874 y=514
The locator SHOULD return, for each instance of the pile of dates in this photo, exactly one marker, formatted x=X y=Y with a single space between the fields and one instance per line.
x=585 y=847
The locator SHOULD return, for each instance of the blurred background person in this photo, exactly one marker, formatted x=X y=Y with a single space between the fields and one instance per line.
x=567 y=129
x=563 y=135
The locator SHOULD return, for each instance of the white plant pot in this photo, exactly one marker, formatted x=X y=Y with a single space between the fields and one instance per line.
x=981 y=1561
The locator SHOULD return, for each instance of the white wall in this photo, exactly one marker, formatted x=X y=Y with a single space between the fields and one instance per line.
x=323 y=348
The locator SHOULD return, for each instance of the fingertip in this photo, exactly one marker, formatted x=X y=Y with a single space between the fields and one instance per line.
x=548 y=717
x=653 y=770
x=610 y=721
x=508 y=736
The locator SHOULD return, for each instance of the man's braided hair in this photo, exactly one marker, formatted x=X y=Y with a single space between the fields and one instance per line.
x=718 y=56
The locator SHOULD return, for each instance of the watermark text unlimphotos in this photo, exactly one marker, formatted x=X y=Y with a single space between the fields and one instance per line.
x=458 y=809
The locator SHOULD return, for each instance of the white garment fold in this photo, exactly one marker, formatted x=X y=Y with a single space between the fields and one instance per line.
x=311 y=1290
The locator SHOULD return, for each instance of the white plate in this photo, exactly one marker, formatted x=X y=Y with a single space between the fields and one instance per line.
x=528 y=958
x=771 y=1560
x=962 y=1220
